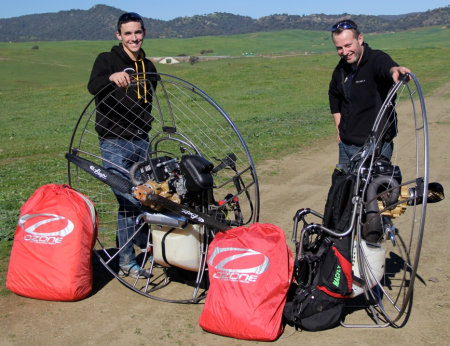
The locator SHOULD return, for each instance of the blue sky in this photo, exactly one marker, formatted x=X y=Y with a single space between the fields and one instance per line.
x=170 y=9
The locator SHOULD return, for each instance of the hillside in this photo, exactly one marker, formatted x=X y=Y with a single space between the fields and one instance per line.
x=98 y=23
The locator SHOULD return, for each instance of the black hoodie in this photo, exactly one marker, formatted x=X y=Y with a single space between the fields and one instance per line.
x=122 y=112
x=369 y=87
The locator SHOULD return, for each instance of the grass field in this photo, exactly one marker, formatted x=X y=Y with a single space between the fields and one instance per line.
x=279 y=103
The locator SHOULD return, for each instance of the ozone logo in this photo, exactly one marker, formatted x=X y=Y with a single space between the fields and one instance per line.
x=246 y=275
x=45 y=237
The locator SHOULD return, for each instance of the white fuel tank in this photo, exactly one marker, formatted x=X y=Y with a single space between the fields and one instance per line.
x=177 y=247
x=374 y=265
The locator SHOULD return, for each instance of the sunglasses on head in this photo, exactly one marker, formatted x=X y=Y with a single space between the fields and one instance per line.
x=129 y=15
x=343 y=26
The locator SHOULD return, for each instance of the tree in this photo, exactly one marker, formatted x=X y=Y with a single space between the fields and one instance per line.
x=193 y=59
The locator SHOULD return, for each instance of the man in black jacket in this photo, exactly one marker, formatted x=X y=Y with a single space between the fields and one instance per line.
x=123 y=120
x=359 y=85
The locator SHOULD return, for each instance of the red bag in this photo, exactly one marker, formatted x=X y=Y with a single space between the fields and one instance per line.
x=51 y=253
x=250 y=271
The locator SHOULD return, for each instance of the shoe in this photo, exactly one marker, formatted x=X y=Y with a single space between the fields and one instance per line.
x=133 y=270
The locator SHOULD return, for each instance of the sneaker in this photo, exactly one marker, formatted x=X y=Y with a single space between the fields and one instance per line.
x=133 y=270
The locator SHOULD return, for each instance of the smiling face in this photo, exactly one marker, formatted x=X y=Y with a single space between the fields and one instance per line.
x=349 y=47
x=132 y=35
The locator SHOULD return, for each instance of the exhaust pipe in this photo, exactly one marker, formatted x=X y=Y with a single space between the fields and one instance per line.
x=373 y=230
x=168 y=219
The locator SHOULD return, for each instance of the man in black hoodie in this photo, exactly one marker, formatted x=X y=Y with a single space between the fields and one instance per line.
x=359 y=85
x=123 y=120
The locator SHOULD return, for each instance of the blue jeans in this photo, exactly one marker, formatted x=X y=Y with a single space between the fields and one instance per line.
x=346 y=152
x=125 y=153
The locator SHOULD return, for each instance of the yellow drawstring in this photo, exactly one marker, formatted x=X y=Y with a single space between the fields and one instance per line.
x=145 y=84
x=137 y=79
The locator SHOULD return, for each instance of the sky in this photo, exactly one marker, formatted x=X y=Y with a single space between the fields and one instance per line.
x=167 y=10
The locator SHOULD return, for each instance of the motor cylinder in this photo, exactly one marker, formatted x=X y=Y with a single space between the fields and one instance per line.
x=373 y=229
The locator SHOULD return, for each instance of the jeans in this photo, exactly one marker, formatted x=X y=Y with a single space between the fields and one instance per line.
x=125 y=153
x=346 y=151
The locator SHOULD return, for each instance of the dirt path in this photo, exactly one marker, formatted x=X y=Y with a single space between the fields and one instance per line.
x=114 y=315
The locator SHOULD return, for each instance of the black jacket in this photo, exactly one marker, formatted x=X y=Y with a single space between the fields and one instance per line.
x=121 y=113
x=369 y=88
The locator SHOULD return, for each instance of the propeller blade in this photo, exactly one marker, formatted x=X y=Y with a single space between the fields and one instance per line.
x=112 y=180
x=189 y=213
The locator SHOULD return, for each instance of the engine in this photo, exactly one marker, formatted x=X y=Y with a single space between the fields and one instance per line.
x=177 y=180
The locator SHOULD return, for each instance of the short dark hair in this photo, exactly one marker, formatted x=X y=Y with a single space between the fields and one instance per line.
x=345 y=24
x=129 y=17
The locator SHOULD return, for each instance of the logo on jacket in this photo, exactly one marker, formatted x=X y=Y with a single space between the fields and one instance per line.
x=36 y=232
x=236 y=264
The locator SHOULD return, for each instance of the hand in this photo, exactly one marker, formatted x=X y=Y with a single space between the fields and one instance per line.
x=121 y=79
x=397 y=71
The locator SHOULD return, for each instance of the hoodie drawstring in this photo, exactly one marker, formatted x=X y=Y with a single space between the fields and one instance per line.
x=137 y=79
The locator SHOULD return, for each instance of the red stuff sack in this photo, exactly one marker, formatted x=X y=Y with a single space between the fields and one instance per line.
x=51 y=253
x=250 y=271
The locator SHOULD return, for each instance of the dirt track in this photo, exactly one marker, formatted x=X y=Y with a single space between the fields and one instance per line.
x=114 y=315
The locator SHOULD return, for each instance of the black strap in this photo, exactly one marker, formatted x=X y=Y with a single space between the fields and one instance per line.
x=358 y=280
x=229 y=160
x=163 y=246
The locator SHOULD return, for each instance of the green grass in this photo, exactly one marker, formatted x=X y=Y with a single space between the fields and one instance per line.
x=39 y=121
x=280 y=105
x=419 y=38
x=70 y=62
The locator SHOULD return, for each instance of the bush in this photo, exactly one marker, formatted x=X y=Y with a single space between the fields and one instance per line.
x=193 y=59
